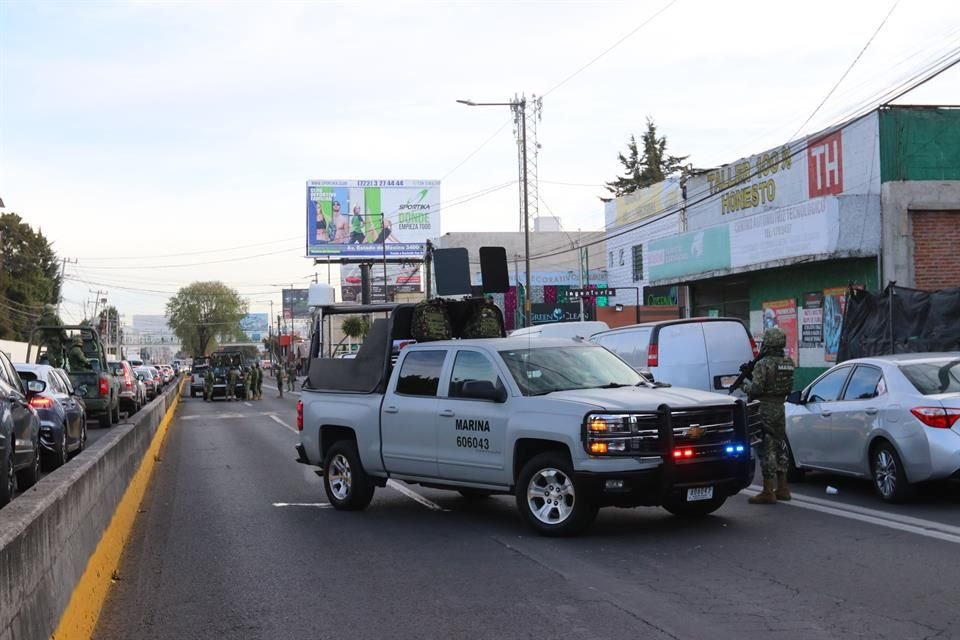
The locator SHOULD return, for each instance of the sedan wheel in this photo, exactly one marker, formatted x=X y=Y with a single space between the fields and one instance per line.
x=9 y=483
x=889 y=477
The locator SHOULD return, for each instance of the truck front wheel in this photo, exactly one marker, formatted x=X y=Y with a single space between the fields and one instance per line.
x=550 y=499
x=346 y=483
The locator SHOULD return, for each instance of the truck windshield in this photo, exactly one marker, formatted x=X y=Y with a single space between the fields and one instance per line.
x=548 y=369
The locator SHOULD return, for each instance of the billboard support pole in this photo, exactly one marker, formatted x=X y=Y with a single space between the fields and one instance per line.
x=364 y=283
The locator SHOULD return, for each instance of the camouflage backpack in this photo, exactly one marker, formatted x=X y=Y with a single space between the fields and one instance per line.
x=430 y=321
x=483 y=321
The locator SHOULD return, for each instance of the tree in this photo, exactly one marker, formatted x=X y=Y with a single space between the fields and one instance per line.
x=644 y=170
x=29 y=277
x=204 y=309
x=355 y=327
x=109 y=326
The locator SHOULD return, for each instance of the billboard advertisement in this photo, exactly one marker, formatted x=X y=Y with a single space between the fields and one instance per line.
x=295 y=304
x=401 y=278
x=365 y=219
x=255 y=325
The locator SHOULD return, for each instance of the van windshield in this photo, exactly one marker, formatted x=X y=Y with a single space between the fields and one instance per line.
x=539 y=371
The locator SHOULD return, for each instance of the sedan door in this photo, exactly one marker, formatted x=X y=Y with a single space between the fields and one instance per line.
x=25 y=423
x=856 y=417
x=471 y=433
x=56 y=389
x=809 y=424
x=409 y=417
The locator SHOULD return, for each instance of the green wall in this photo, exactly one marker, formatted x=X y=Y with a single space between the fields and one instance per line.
x=919 y=144
x=796 y=280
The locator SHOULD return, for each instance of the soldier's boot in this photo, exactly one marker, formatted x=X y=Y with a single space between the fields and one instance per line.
x=783 y=491
x=767 y=496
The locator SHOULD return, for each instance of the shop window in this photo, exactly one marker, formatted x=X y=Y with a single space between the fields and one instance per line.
x=637 y=262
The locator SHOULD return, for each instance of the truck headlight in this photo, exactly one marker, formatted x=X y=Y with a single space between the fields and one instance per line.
x=607 y=433
x=608 y=423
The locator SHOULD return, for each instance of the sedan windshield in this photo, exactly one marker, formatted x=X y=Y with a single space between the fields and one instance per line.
x=934 y=376
x=545 y=370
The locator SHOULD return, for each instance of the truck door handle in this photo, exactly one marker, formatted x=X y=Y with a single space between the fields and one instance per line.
x=391 y=409
x=871 y=411
x=826 y=413
x=447 y=413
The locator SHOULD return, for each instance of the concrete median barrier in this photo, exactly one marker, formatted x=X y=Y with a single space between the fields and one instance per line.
x=61 y=540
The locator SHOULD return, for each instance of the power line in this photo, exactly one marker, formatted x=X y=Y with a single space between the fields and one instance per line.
x=478 y=149
x=849 y=69
x=610 y=48
x=192 y=253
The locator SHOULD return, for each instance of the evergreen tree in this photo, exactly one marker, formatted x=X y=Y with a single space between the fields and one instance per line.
x=29 y=277
x=653 y=166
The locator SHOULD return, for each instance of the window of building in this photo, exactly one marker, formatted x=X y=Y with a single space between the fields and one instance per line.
x=637 y=262
x=621 y=257
x=420 y=373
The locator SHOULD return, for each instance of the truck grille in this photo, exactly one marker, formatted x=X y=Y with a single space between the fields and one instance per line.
x=706 y=431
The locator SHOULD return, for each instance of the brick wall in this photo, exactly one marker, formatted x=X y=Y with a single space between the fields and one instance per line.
x=936 y=249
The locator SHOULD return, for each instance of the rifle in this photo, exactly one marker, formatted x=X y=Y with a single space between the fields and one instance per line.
x=746 y=371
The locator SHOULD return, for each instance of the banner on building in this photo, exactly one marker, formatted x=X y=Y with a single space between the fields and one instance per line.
x=834 y=302
x=256 y=326
x=783 y=315
x=543 y=313
x=295 y=304
x=367 y=219
x=811 y=321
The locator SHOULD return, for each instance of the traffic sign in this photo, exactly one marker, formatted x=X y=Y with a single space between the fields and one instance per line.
x=591 y=293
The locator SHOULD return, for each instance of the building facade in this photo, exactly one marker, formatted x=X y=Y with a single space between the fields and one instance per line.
x=775 y=239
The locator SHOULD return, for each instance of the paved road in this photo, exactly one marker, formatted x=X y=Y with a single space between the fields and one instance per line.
x=235 y=540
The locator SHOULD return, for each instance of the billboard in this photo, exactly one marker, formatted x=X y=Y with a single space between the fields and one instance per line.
x=295 y=304
x=255 y=325
x=401 y=278
x=365 y=219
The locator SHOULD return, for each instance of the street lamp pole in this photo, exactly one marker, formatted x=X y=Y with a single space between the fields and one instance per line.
x=519 y=108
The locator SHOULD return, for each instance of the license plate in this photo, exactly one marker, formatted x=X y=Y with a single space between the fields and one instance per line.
x=726 y=381
x=699 y=493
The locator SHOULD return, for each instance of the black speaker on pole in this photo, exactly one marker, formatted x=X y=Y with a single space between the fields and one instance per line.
x=452 y=268
x=493 y=270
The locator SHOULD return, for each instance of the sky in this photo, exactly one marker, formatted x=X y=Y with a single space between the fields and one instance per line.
x=158 y=143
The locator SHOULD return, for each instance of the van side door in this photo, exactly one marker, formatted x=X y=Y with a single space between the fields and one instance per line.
x=728 y=347
x=471 y=432
x=682 y=356
x=408 y=417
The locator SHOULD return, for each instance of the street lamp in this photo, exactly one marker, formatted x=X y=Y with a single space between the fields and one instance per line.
x=519 y=108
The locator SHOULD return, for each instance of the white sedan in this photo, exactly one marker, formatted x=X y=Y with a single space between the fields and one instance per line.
x=894 y=419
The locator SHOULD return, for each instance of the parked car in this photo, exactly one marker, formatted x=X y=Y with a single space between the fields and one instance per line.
x=62 y=414
x=157 y=377
x=145 y=375
x=19 y=432
x=131 y=395
x=894 y=419
x=697 y=353
x=196 y=379
x=562 y=330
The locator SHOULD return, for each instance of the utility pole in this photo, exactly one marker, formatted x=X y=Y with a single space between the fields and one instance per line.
x=96 y=302
x=63 y=271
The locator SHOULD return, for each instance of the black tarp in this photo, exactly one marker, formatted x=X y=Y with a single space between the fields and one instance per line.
x=899 y=320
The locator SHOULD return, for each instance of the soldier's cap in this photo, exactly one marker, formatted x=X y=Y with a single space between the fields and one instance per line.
x=774 y=338
x=77 y=340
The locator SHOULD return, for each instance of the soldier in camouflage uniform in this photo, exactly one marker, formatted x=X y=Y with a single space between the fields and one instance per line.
x=291 y=376
x=232 y=383
x=772 y=380
x=247 y=380
x=280 y=377
x=208 y=383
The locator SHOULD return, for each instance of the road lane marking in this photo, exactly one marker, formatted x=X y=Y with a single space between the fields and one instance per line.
x=248 y=404
x=318 y=505
x=917 y=526
x=413 y=495
x=281 y=422
x=224 y=416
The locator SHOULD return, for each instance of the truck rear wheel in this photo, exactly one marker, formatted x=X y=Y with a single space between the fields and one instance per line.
x=346 y=483
x=550 y=499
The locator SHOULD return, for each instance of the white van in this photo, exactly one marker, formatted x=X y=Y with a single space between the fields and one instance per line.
x=582 y=330
x=697 y=353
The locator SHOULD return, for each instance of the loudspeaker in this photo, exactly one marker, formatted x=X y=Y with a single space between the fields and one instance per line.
x=452 y=270
x=493 y=270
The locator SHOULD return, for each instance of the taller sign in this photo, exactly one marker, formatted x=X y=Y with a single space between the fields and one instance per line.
x=363 y=220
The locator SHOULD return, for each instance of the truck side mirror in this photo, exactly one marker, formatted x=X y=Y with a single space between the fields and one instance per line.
x=646 y=373
x=483 y=390
x=795 y=397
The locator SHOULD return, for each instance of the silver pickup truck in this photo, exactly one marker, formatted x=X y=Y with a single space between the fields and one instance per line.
x=564 y=426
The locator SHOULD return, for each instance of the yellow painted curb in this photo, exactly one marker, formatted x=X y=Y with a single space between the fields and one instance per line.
x=80 y=617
